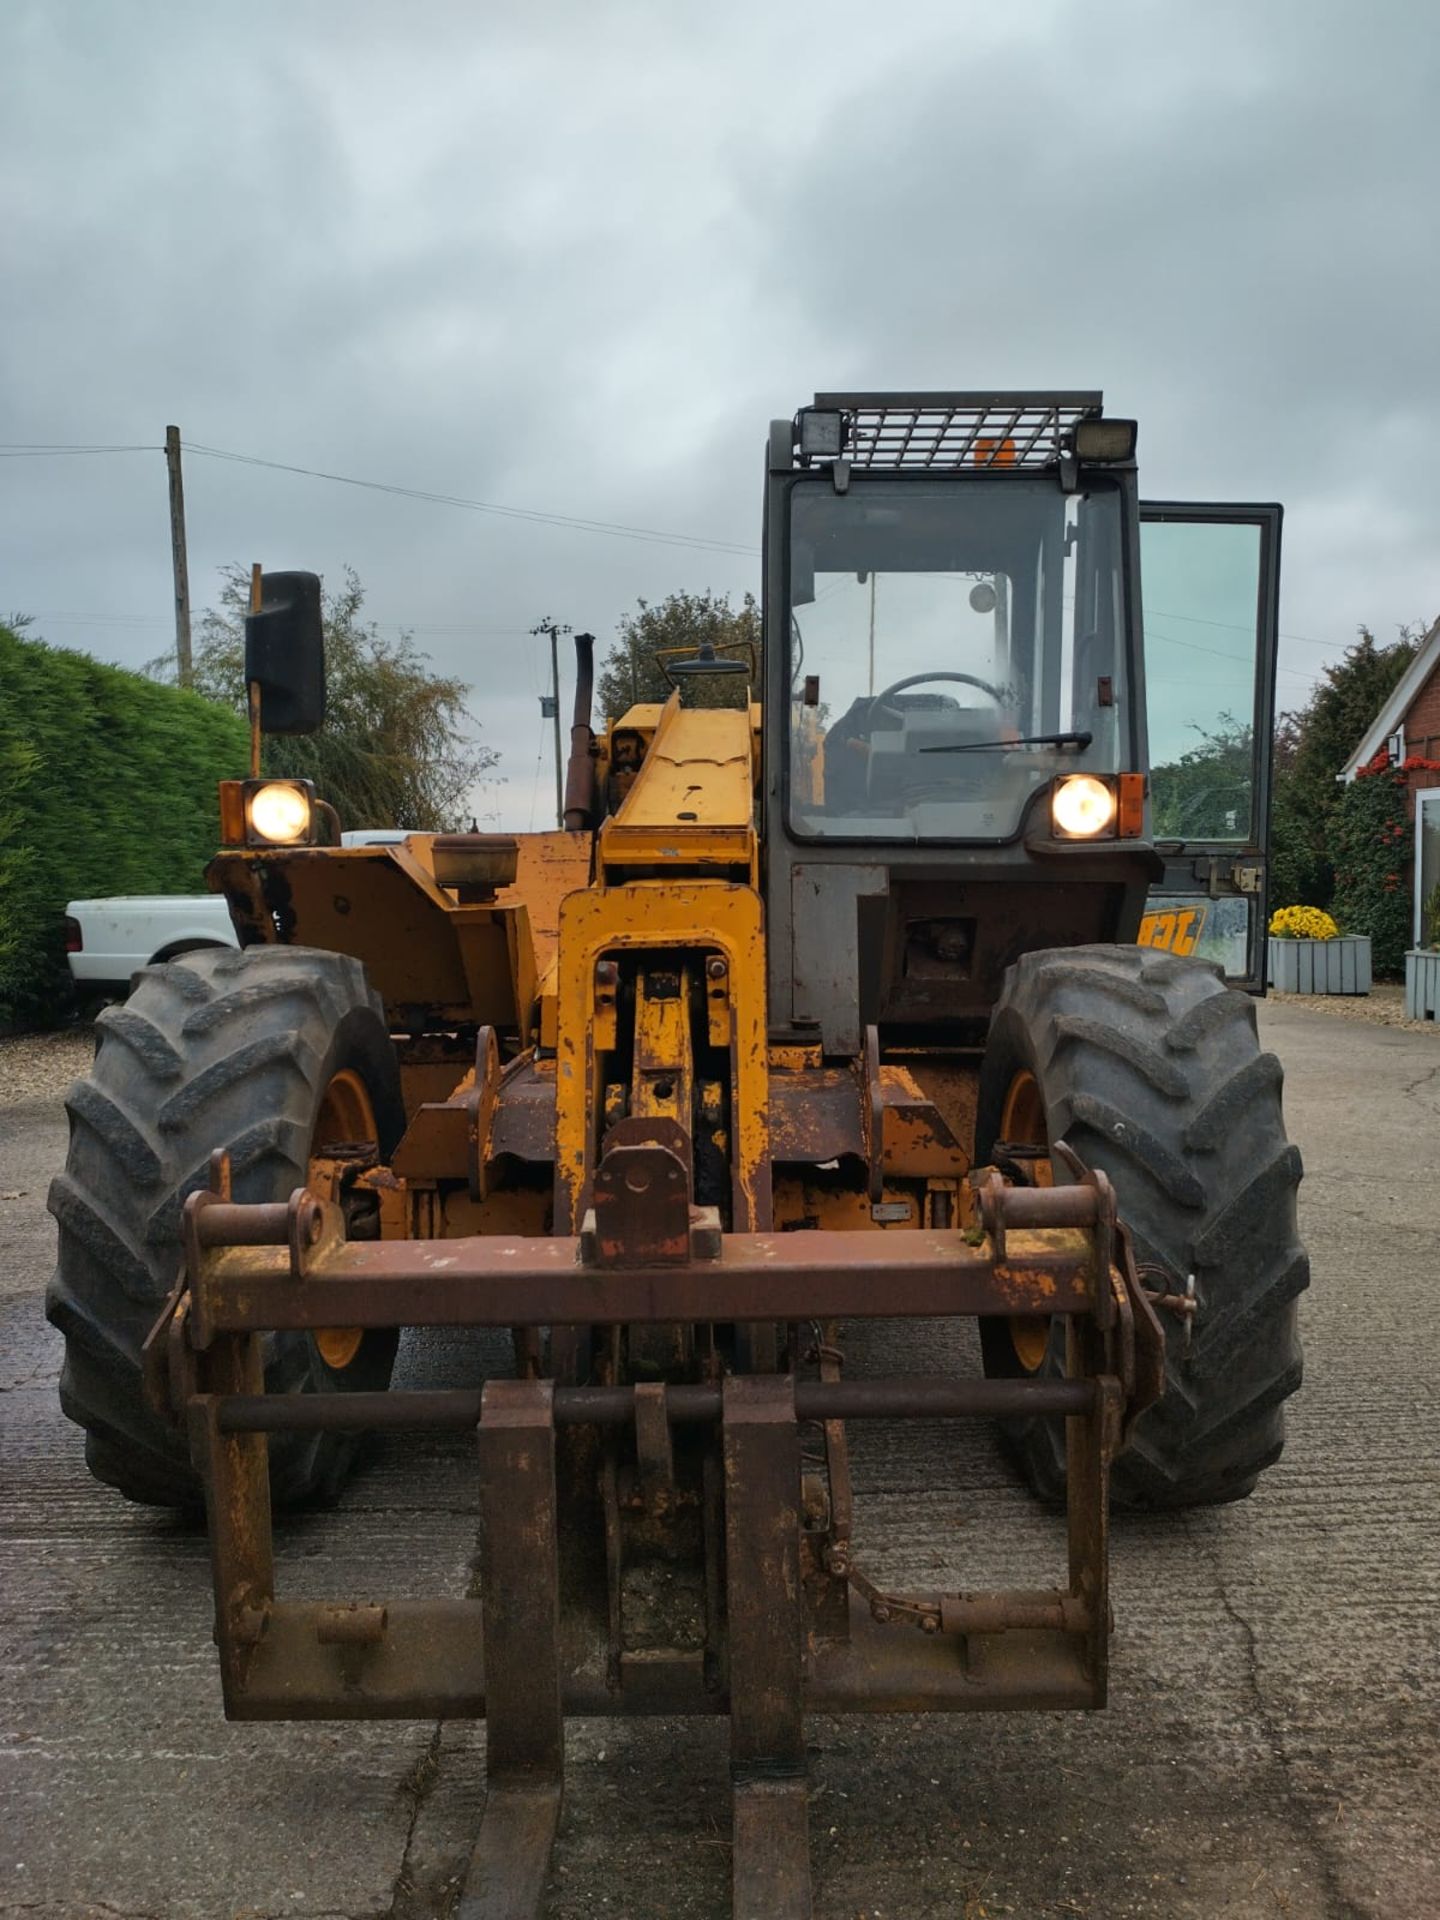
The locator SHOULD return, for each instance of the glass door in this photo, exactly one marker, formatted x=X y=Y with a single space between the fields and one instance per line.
x=1427 y=868
x=1210 y=583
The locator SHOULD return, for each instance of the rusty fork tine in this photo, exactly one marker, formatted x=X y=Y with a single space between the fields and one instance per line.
x=520 y=1600
x=771 y=1872
x=761 y=1448
x=511 y=1861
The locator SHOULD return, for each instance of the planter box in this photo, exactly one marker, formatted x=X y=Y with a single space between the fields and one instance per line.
x=1341 y=965
x=1422 y=986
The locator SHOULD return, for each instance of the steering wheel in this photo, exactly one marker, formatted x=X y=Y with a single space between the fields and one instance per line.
x=921 y=679
x=846 y=783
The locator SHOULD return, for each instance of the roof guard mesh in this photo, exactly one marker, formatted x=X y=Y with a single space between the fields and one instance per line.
x=944 y=430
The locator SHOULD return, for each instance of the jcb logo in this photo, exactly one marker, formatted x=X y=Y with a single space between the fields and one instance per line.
x=1172 y=929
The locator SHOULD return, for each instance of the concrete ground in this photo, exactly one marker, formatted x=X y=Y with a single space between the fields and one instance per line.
x=1271 y=1748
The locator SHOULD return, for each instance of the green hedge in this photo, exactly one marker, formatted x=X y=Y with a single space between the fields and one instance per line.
x=1374 y=854
x=107 y=785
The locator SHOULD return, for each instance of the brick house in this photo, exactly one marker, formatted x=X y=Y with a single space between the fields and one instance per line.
x=1407 y=728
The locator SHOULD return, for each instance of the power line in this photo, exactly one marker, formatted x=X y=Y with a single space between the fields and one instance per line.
x=1235 y=626
x=653 y=534
x=700 y=542
x=1237 y=659
x=464 y=631
x=140 y=622
x=19 y=450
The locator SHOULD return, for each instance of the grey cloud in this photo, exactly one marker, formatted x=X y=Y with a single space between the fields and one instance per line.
x=576 y=258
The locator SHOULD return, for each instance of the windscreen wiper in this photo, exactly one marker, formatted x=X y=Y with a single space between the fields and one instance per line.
x=1081 y=740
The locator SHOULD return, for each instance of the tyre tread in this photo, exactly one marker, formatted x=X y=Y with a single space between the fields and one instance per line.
x=218 y=1048
x=1206 y=1183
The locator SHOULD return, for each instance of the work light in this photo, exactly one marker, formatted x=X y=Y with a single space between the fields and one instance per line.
x=1082 y=807
x=279 y=812
x=822 y=434
x=1105 y=439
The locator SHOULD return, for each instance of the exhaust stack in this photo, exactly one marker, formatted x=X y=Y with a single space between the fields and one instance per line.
x=581 y=798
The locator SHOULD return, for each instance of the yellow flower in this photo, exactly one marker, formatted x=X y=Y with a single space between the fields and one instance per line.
x=1302 y=923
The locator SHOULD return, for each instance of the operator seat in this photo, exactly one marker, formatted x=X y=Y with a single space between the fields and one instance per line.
x=872 y=753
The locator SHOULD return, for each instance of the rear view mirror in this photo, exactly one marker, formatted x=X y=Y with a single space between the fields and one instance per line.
x=285 y=652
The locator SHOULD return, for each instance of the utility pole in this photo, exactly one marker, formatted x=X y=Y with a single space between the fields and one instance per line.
x=252 y=687
x=550 y=703
x=183 y=672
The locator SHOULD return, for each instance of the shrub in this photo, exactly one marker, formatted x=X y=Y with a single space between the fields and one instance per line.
x=1311 y=747
x=396 y=748
x=1373 y=842
x=107 y=785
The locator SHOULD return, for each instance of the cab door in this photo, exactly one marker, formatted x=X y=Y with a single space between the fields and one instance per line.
x=1210 y=592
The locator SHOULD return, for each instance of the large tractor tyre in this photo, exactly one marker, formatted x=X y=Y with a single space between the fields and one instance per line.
x=272 y=1054
x=1150 y=1068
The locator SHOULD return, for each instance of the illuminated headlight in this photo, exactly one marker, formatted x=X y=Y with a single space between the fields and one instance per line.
x=1082 y=806
x=279 y=813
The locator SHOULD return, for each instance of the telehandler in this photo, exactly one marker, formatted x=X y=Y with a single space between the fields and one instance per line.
x=875 y=980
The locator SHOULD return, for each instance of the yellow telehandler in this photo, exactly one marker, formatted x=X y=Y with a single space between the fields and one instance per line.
x=873 y=979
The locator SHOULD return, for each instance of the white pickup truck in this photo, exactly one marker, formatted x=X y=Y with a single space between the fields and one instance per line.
x=106 y=941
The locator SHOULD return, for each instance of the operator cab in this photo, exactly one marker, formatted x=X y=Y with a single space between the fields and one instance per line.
x=957 y=751
x=951 y=651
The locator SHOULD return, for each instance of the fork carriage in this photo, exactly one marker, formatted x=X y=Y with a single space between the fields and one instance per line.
x=784 y=1619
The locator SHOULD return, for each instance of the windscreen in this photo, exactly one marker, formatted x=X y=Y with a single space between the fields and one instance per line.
x=953 y=646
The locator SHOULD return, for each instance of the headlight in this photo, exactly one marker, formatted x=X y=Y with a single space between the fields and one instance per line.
x=1082 y=806
x=279 y=812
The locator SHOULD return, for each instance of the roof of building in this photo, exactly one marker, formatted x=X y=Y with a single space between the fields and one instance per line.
x=1397 y=706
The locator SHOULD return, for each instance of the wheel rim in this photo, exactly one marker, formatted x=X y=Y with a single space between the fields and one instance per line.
x=1022 y=1124
x=346 y=1117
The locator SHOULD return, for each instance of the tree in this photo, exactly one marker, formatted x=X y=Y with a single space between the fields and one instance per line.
x=632 y=671
x=396 y=748
x=1312 y=744
x=1205 y=793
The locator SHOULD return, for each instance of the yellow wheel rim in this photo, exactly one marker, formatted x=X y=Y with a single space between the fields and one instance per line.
x=346 y=1114
x=1022 y=1124
x=338 y=1346
x=346 y=1117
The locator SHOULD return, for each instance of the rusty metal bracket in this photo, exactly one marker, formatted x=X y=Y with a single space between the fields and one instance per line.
x=167 y=1360
x=1166 y=1297
x=480 y=1110
x=641 y=1197
x=872 y=1110
x=961 y=1614
x=1147 y=1381
x=642 y=1214
x=654 y=1454
x=831 y=1360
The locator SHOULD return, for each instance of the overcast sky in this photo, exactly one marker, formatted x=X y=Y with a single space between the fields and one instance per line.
x=573 y=258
